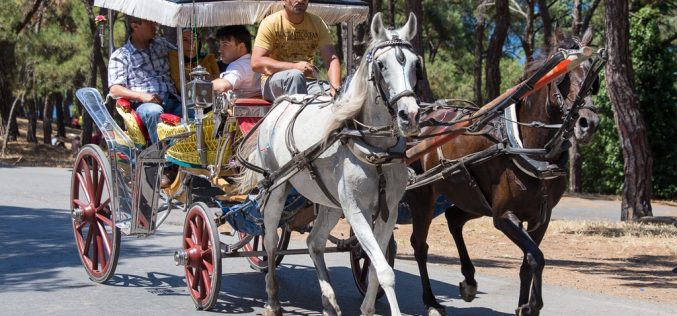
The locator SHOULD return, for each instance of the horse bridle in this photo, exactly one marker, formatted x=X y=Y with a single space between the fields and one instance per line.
x=589 y=86
x=377 y=79
x=563 y=86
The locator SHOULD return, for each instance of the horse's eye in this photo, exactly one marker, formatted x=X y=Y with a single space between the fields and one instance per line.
x=380 y=64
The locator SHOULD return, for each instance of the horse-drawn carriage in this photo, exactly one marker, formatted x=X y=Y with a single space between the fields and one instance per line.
x=326 y=156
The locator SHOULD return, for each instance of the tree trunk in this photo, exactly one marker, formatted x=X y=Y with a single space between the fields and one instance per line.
x=527 y=40
x=575 y=159
x=479 y=51
x=495 y=49
x=87 y=128
x=423 y=86
x=9 y=123
x=631 y=128
x=391 y=12
x=547 y=24
x=32 y=113
x=47 y=120
x=60 y=117
x=576 y=17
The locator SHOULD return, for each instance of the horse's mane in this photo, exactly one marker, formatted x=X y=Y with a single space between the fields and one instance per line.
x=350 y=103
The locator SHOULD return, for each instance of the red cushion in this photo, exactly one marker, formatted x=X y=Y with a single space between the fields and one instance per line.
x=144 y=131
x=246 y=123
x=124 y=104
x=252 y=102
x=170 y=119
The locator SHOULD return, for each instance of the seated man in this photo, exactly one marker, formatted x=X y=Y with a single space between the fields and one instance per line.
x=285 y=48
x=235 y=44
x=139 y=72
x=192 y=58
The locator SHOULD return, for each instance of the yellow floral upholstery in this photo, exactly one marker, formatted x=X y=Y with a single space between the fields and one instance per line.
x=184 y=151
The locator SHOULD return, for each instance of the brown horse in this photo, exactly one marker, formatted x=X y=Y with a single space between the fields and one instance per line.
x=512 y=187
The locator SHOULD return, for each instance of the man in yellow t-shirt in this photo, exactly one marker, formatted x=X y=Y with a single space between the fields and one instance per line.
x=285 y=48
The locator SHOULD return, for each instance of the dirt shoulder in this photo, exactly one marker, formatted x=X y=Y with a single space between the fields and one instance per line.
x=609 y=258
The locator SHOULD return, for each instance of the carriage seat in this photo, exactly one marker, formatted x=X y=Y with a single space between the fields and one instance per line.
x=249 y=111
x=135 y=128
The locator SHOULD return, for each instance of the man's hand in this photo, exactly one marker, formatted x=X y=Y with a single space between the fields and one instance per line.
x=150 y=98
x=305 y=67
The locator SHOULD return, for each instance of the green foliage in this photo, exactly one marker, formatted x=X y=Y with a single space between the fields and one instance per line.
x=655 y=68
x=603 y=164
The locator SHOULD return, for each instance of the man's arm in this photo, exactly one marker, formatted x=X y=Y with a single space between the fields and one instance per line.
x=266 y=65
x=120 y=91
x=221 y=85
x=334 y=71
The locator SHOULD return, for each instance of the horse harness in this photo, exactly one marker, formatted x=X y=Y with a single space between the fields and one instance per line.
x=353 y=135
x=507 y=141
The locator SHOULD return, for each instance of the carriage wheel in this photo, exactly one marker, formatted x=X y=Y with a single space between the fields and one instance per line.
x=202 y=250
x=360 y=262
x=93 y=217
x=260 y=263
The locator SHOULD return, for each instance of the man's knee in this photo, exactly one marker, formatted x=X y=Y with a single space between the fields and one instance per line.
x=149 y=110
x=295 y=76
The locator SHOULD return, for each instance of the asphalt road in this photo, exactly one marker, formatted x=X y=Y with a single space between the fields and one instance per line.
x=41 y=274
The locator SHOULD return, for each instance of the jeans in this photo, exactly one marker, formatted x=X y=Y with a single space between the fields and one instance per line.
x=291 y=82
x=150 y=114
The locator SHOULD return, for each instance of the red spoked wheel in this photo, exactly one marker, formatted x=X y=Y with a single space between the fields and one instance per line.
x=260 y=263
x=201 y=256
x=360 y=263
x=96 y=236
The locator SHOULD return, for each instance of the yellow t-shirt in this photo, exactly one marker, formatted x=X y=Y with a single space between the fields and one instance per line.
x=286 y=41
x=208 y=61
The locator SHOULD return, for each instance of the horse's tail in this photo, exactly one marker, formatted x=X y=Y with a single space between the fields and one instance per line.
x=247 y=179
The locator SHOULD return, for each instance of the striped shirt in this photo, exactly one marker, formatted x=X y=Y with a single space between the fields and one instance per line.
x=145 y=70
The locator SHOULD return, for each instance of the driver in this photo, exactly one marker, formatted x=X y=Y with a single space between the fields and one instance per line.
x=285 y=48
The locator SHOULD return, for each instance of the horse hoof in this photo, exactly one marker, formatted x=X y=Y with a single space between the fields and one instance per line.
x=468 y=291
x=437 y=311
x=525 y=310
x=269 y=311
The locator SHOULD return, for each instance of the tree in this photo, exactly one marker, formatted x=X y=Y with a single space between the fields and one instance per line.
x=416 y=7
x=578 y=26
x=495 y=49
x=479 y=50
x=631 y=128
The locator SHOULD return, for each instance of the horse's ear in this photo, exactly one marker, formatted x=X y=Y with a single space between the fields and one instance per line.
x=378 y=31
x=587 y=37
x=408 y=31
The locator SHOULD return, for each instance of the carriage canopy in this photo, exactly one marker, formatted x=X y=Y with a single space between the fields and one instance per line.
x=205 y=13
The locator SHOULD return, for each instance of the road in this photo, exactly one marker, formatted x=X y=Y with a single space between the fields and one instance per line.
x=41 y=274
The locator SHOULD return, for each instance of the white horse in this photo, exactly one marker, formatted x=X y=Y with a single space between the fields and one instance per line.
x=344 y=176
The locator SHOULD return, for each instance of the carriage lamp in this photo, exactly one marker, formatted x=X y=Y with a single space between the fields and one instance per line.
x=199 y=91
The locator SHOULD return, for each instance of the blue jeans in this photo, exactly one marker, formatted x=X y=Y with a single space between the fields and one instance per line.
x=150 y=114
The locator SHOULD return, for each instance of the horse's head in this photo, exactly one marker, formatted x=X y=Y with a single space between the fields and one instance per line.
x=395 y=69
x=568 y=87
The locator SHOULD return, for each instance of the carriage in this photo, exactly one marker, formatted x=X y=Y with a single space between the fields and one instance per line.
x=117 y=191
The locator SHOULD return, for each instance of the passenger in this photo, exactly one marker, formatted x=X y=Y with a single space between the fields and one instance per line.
x=139 y=72
x=285 y=48
x=192 y=58
x=235 y=45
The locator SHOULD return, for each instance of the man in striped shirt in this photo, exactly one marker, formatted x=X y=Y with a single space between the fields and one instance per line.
x=139 y=72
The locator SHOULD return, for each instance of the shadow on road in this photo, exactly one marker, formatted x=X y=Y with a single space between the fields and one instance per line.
x=38 y=243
